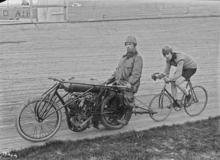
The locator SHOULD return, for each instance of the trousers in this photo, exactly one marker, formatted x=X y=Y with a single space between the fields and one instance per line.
x=129 y=99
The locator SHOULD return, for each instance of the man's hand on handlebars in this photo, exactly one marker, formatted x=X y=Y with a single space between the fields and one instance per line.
x=128 y=85
x=158 y=76
x=154 y=77
x=119 y=86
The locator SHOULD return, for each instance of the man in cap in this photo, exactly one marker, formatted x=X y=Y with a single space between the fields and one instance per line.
x=128 y=73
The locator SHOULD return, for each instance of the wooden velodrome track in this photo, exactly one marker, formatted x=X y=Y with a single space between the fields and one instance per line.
x=31 y=53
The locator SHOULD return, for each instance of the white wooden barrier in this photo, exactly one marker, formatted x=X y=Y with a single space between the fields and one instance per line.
x=52 y=10
x=42 y=11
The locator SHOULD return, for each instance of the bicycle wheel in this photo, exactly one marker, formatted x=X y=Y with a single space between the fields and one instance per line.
x=38 y=120
x=160 y=107
x=111 y=112
x=200 y=99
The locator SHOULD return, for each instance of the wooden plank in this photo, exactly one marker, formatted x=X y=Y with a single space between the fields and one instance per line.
x=31 y=10
x=48 y=6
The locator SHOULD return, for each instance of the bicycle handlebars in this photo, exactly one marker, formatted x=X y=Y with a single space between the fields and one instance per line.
x=154 y=77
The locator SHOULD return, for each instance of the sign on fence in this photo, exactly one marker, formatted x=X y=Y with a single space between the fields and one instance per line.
x=7 y=13
x=42 y=11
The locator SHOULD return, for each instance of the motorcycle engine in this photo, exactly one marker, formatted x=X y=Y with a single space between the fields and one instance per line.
x=80 y=112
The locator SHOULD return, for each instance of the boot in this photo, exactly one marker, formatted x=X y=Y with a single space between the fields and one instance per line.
x=127 y=117
x=95 y=121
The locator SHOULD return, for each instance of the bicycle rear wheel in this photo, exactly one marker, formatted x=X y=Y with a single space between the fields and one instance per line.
x=200 y=99
x=32 y=122
x=160 y=107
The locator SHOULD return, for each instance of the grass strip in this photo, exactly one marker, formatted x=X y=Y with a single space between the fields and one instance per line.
x=190 y=141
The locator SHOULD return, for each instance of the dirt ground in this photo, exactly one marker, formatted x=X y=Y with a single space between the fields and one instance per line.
x=32 y=53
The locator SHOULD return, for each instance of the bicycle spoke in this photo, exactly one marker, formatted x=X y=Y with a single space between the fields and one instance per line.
x=31 y=108
x=50 y=127
x=160 y=107
x=35 y=130
x=26 y=130
x=27 y=116
x=44 y=131
x=196 y=107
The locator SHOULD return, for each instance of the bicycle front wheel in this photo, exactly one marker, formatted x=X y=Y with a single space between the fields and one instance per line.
x=160 y=107
x=200 y=99
x=38 y=120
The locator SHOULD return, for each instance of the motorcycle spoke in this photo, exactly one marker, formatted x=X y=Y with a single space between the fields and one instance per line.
x=34 y=122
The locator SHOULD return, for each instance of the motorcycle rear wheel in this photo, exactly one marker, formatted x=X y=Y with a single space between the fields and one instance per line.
x=111 y=112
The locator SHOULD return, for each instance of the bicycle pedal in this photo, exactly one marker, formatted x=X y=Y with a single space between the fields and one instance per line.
x=177 y=108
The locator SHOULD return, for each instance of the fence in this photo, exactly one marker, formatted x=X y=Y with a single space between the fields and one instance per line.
x=101 y=10
x=37 y=11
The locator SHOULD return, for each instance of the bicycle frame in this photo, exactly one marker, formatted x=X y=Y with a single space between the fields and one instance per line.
x=141 y=112
x=192 y=90
x=189 y=84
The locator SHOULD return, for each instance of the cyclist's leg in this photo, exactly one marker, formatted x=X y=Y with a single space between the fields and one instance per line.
x=174 y=90
x=179 y=84
x=174 y=86
x=186 y=74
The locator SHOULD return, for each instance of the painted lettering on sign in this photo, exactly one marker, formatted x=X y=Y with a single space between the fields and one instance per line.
x=23 y=13
x=7 y=13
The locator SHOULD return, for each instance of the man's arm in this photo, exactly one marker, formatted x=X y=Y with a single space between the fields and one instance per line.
x=166 y=71
x=179 y=70
x=112 y=77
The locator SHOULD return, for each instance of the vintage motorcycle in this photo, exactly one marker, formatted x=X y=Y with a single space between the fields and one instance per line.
x=40 y=118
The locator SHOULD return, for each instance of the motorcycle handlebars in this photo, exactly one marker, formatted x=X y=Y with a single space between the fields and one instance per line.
x=104 y=85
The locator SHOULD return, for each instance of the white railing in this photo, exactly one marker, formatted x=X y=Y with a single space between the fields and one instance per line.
x=15 y=2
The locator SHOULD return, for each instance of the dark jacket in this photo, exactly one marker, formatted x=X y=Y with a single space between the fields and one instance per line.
x=129 y=70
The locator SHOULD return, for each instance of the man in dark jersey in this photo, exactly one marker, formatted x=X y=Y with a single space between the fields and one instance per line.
x=186 y=67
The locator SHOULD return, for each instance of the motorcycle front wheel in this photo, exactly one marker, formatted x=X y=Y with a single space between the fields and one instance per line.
x=38 y=120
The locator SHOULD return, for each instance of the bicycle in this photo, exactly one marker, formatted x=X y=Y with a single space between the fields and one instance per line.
x=40 y=118
x=165 y=100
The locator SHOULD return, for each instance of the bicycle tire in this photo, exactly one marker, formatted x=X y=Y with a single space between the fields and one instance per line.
x=109 y=121
x=33 y=119
x=160 y=107
x=193 y=109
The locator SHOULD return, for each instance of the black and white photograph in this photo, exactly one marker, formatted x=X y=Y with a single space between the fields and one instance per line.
x=109 y=79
